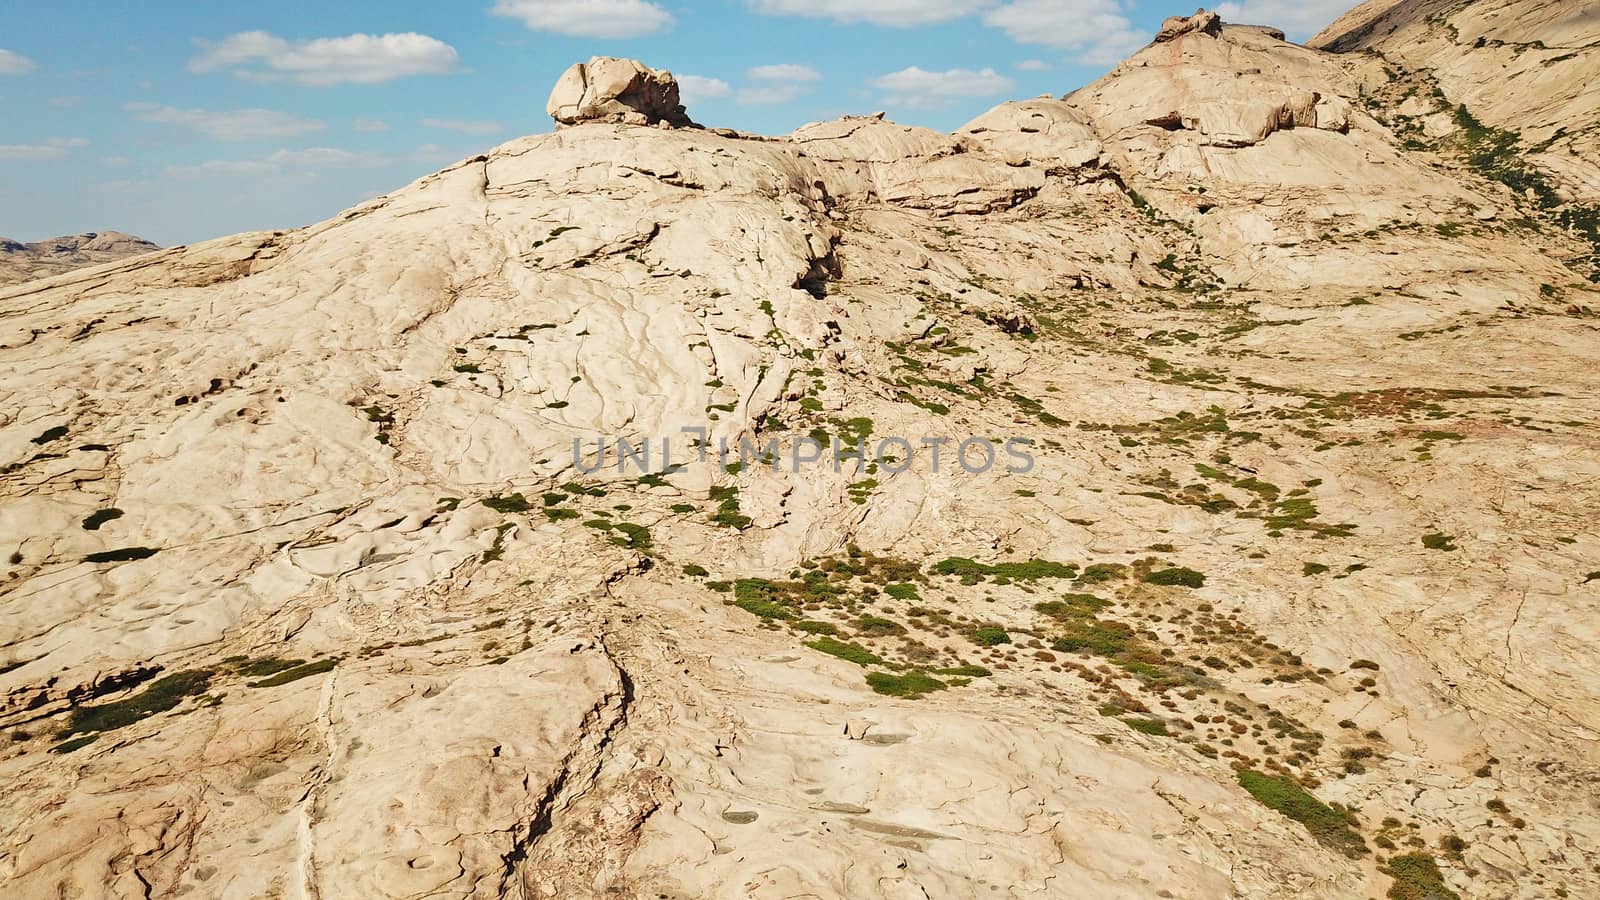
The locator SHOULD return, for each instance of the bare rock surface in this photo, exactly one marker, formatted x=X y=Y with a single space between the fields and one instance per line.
x=21 y=262
x=607 y=89
x=306 y=595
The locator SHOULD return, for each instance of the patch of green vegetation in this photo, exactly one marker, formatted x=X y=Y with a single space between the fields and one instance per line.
x=902 y=590
x=972 y=572
x=561 y=513
x=498 y=548
x=513 y=503
x=861 y=490
x=683 y=507
x=1437 y=541
x=964 y=671
x=1330 y=827
x=1177 y=577
x=878 y=625
x=632 y=536
x=990 y=636
x=297 y=673
x=762 y=598
x=1417 y=877
x=99 y=517
x=126 y=554
x=849 y=652
x=1154 y=727
x=1100 y=573
x=266 y=665
x=159 y=697
x=552 y=499
x=728 y=514
x=911 y=685
x=811 y=626
x=694 y=570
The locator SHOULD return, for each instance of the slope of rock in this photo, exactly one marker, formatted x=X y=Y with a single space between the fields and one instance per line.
x=309 y=594
x=21 y=262
x=1528 y=66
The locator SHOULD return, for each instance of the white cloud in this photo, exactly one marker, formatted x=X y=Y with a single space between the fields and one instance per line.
x=893 y=13
x=54 y=148
x=302 y=161
x=917 y=87
x=464 y=126
x=1095 y=29
x=1300 y=19
x=353 y=59
x=697 y=88
x=784 y=72
x=1034 y=65
x=587 y=18
x=15 y=63
x=362 y=123
x=771 y=95
x=232 y=125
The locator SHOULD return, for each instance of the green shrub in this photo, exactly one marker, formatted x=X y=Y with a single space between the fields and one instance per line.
x=633 y=537
x=1154 y=727
x=758 y=597
x=870 y=624
x=561 y=513
x=990 y=636
x=695 y=571
x=159 y=697
x=810 y=626
x=1417 y=877
x=910 y=685
x=902 y=590
x=1331 y=827
x=849 y=652
x=1176 y=577
x=297 y=673
x=513 y=503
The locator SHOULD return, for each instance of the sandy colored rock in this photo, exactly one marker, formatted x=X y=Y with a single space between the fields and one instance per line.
x=607 y=89
x=21 y=262
x=307 y=595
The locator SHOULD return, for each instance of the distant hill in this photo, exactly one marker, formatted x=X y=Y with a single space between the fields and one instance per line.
x=21 y=262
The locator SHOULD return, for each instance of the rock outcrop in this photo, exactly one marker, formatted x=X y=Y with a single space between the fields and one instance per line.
x=1531 y=67
x=607 y=89
x=307 y=593
x=1202 y=22
x=21 y=262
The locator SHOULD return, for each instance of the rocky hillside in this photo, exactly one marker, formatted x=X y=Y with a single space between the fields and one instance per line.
x=1292 y=593
x=21 y=262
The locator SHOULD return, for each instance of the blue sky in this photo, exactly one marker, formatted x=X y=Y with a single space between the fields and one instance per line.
x=180 y=120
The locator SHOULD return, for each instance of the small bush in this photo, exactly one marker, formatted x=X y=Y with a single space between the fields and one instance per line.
x=1329 y=826
x=1176 y=577
x=513 y=503
x=1417 y=877
x=849 y=652
x=903 y=590
x=695 y=571
x=990 y=636
x=1154 y=727
x=159 y=697
x=297 y=673
x=910 y=685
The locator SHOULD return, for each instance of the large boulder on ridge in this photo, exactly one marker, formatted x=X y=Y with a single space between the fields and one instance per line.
x=608 y=89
